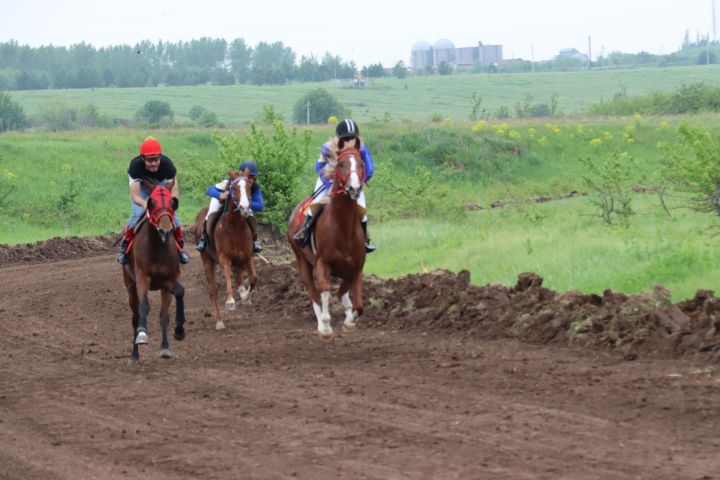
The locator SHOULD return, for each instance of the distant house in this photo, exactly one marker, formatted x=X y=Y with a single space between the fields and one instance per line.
x=572 y=53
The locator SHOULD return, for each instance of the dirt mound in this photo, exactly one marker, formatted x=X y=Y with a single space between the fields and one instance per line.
x=55 y=249
x=646 y=323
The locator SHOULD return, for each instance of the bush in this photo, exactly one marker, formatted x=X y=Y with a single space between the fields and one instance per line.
x=322 y=106
x=196 y=111
x=12 y=116
x=155 y=112
x=280 y=155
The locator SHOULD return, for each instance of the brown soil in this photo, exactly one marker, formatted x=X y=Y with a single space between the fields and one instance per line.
x=443 y=379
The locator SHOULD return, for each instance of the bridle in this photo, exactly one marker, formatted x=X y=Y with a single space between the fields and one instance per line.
x=161 y=208
x=342 y=180
x=237 y=207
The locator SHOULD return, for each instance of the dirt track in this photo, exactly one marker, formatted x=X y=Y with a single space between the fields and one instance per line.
x=266 y=399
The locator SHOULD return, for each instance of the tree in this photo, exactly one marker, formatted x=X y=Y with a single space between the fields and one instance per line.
x=12 y=116
x=154 y=112
x=240 y=55
x=272 y=64
x=322 y=106
x=400 y=69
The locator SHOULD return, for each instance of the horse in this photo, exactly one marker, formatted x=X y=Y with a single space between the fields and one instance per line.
x=230 y=245
x=337 y=245
x=154 y=265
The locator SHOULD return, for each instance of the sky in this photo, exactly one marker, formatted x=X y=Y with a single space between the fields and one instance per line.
x=367 y=31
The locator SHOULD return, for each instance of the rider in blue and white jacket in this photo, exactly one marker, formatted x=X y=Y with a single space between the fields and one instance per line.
x=219 y=194
x=346 y=129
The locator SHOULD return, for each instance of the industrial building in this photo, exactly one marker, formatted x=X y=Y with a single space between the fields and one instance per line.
x=425 y=55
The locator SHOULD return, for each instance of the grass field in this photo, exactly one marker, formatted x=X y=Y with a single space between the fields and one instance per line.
x=417 y=226
x=413 y=98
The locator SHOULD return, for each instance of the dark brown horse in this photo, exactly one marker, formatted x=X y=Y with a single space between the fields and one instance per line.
x=337 y=245
x=230 y=245
x=154 y=265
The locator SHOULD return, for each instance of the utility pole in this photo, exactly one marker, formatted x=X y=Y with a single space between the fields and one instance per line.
x=307 y=117
x=707 y=50
x=532 y=57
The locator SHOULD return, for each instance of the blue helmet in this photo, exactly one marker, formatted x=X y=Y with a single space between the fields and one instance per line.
x=251 y=166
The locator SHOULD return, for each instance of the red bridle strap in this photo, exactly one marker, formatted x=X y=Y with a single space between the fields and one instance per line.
x=162 y=206
x=341 y=180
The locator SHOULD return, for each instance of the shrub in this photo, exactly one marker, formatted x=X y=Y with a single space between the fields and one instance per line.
x=12 y=116
x=321 y=106
x=155 y=112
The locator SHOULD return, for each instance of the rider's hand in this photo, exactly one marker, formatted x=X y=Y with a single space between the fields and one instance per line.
x=224 y=196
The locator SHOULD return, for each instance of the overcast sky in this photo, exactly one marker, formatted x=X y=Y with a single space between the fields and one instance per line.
x=366 y=31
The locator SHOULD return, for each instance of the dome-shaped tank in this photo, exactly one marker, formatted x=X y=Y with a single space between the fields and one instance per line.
x=443 y=51
x=422 y=55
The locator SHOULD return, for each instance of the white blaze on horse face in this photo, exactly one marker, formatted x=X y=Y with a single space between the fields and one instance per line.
x=244 y=201
x=354 y=177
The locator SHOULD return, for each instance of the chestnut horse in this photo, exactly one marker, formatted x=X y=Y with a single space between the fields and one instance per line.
x=230 y=245
x=337 y=245
x=154 y=265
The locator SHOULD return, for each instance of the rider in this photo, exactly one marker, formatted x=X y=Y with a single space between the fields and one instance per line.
x=152 y=164
x=346 y=130
x=219 y=193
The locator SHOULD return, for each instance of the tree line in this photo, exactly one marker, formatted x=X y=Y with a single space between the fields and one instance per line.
x=196 y=62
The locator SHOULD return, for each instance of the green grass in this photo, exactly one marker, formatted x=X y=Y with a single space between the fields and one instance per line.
x=567 y=247
x=431 y=227
x=413 y=98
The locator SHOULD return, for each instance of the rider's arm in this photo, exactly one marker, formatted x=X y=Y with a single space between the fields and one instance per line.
x=256 y=200
x=135 y=194
x=218 y=191
x=368 y=161
x=175 y=190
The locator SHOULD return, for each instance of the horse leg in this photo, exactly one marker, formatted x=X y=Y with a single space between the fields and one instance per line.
x=179 y=293
x=248 y=281
x=323 y=275
x=209 y=267
x=227 y=270
x=350 y=314
x=135 y=307
x=143 y=284
x=165 y=300
x=353 y=302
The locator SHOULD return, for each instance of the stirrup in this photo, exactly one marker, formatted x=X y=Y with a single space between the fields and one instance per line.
x=202 y=244
x=122 y=258
x=257 y=248
x=369 y=248
x=183 y=257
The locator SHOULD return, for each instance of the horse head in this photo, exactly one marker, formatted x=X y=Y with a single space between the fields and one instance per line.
x=349 y=171
x=240 y=186
x=161 y=206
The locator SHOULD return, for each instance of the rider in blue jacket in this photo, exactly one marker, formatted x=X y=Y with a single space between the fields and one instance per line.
x=219 y=194
x=347 y=129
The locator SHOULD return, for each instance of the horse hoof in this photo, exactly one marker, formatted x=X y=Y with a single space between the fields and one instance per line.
x=132 y=361
x=230 y=305
x=220 y=325
x=179 y=335
x=141 y=338
x=326 y=335
x=348 y=328
x=165 y=353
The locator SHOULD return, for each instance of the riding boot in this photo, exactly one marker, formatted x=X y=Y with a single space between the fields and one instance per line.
x=252 y=223
x=184 y=257
x=204 y=239
x=128 y=235
x=302 y=237
x=369 y=248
